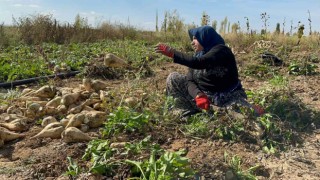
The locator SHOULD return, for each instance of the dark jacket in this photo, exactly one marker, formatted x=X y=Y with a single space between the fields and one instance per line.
x=215 y=71
x=212 y=70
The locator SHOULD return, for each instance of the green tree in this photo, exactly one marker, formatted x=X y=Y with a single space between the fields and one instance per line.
x=80 y=22
x=4 y=40
x=277 y=29
x=300 y=33
x=172 y=22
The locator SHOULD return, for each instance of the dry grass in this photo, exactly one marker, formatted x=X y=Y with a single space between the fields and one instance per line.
x=36 y=29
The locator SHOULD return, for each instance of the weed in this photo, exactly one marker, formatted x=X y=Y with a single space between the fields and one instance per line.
x=168 y=105
x=170 y=165
x=258 y=71
x=289 y=108
x=235 y=163
x=302 y=69
x=73 y=168
x=279 y=81
x=101 y=157
x=229 y=130
x=30 y=160
x=125 y=120
x=11 y=170
x=140 y=147
x=258 y=97
x=39 y=121
x=198 y=125
x=269 y=143
x=106 y=160
x=10 y=95
x=286 y=116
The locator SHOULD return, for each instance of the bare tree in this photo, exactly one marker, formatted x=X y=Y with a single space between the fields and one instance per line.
x=205 y=19
x=247 y=24
x=309 y=19
x=283 y=25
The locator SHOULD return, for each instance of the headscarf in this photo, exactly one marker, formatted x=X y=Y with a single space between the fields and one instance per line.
x=207 y=37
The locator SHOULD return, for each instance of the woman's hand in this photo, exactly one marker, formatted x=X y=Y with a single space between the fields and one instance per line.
x=164 y=49
x=202 y=101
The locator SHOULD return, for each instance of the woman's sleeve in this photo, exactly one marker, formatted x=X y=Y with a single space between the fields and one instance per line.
x=193 y=89
x=196 y=62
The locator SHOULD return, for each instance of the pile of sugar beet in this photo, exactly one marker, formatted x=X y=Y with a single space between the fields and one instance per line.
x=79 y=109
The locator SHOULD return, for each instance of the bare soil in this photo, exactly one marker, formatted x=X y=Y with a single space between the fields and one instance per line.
x=47 y=158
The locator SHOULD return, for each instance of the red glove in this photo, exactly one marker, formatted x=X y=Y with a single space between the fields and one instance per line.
x=202 y=101
x=258 y=110
x=164 y=49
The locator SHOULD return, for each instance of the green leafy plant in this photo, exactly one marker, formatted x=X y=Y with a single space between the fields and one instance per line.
x=125 y=120
x=286 y=116
x=235 y=163
x=198 y=125
x=101 y=157
x=258 y=97
x=279 y=81
x=27 y=61
x=271 y=129
x=168 y=104
x=287 y=107
x=170 y=165
x=230 y=130
x=257 y=71
x=10 y=95
x=161 y=165
x=73 y=168
x=302 y=69
x=140 y=147
x=39 y=121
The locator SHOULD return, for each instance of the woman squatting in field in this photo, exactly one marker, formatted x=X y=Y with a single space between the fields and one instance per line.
x=212 y=77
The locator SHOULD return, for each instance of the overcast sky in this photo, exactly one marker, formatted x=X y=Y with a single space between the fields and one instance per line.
x=142 y=13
